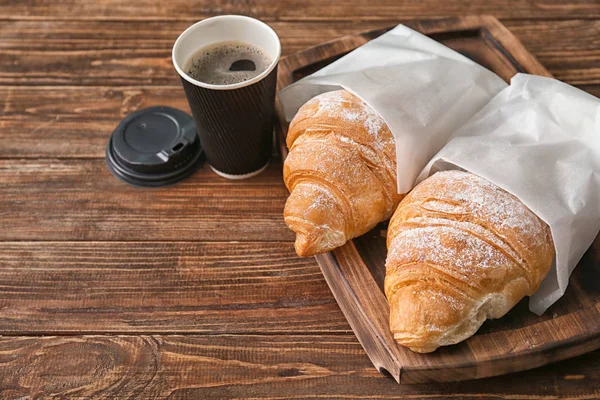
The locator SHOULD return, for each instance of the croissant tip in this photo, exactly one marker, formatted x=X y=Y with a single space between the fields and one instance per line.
x=415 y=346
x=303 y=245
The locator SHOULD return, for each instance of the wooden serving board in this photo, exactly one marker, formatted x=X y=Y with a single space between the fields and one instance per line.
x=355 y=272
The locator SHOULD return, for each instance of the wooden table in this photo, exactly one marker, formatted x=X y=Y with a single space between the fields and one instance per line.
x=194 y=291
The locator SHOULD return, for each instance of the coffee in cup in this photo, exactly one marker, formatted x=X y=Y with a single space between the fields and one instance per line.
x=227 y=63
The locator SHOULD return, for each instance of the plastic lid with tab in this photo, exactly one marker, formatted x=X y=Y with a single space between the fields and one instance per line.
x=156 y=146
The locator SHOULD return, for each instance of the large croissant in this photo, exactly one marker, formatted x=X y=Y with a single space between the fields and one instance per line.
x=460 y=250
x=340 y=171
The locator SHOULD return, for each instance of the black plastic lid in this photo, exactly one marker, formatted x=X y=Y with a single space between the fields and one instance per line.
x=156 y=146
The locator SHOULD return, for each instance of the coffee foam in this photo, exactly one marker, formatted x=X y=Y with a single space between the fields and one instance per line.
x=211 y=64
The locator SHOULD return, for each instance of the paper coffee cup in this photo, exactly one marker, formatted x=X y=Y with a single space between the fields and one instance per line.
x=235 y=121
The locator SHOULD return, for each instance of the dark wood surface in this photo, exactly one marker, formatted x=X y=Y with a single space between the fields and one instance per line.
x=355 y=272
x=98 y=280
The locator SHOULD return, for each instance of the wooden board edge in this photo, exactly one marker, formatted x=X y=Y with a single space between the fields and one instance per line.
x=514 y=49
x=385 y=357
x=281 y=127
x=587 y=340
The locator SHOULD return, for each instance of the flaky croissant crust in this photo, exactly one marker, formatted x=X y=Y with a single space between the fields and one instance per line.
x=460 y=250
x=340 y=171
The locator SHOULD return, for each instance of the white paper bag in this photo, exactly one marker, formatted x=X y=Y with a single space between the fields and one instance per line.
x=539 y=139
x=422 y=89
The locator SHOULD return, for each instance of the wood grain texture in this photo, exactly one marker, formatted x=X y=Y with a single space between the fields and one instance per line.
x=575 y=68
x=131 y=34
x=162 y=287
x=249 y=367
x=73 y=122
x=546 y=36
x=75 y=34
x=294 y=10
x=81 y=200
x=139 y=53
x=355 y=271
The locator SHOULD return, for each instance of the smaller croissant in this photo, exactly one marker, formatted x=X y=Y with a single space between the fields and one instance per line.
x=460 y=250
x=340 y=171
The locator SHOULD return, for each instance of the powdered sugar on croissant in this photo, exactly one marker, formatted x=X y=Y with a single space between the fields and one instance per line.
x=460 y=250
x=340 y=171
